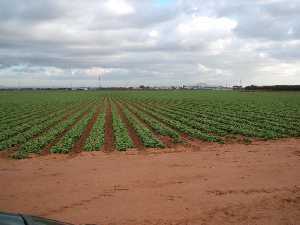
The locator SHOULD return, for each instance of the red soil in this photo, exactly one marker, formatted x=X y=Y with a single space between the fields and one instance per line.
x=46 y=150
x=132 y=134
x=207 y=184
x=185 y=137
x=109 y=134
x=79 y=145
x=167 y=141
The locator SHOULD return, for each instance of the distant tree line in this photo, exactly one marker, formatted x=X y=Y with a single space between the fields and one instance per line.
x=273 y=88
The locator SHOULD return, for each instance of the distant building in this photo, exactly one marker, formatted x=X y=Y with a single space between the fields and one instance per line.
x=80 y=89
x=204 y=87
x=237 y=87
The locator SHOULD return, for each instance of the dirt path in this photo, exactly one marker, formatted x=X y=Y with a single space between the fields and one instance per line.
x=212 y=185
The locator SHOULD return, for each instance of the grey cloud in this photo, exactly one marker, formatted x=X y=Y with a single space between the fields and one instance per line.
x=272 y=20
x=30 y=10
x=43 y=40
x=146 y=15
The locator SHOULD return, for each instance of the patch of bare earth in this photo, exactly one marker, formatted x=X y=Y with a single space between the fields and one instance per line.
x=109 y=134
x=210 y=184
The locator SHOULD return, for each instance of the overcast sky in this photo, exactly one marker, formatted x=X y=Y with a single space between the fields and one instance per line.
x=150 y=42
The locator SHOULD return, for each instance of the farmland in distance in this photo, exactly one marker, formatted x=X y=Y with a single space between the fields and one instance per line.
x=55 y=122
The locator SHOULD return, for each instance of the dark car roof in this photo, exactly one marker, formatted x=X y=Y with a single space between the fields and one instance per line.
x=22 y=219
x=11 y=219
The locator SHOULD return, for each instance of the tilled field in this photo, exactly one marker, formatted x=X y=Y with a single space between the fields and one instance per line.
x=42 y=123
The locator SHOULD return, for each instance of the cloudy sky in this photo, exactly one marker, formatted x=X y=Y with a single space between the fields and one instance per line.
x=150 y=42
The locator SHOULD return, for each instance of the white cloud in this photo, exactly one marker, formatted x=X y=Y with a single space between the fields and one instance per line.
x=213 y=34
x=276 y=72
x=153 y=33
x=203 y=68
x=281 y=69
x=119 y=7
x=203 y=24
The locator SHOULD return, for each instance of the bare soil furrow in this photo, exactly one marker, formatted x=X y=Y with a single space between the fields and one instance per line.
x=109 y=134
x=185 y=137
x=133 y=135
x=46 y=150
x=167 y=141
x=80 y=143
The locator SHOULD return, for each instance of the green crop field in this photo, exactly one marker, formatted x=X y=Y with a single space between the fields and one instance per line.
x=72 y=121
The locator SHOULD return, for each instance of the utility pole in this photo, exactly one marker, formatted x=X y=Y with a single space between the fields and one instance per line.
x=72 y=73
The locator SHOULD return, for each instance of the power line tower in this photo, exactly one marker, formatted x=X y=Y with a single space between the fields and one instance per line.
x=71 y=82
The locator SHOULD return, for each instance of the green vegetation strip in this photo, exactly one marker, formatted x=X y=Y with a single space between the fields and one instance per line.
x=96 y=139
x=157 y=126
x=34 y=129
x=216 y=126
x=122 y=139
x=144 y=133
x=68 y=141
x=36 y=145
x=184 y=128
x=25 y=125
x=231 y=123
x=22 y=118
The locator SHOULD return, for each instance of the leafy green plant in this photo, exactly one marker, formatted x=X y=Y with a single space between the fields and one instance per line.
x=144 y=133
x=96 y=138
x=123 y=141
x=36 y=145
x=68 y=141
x=157 y=126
